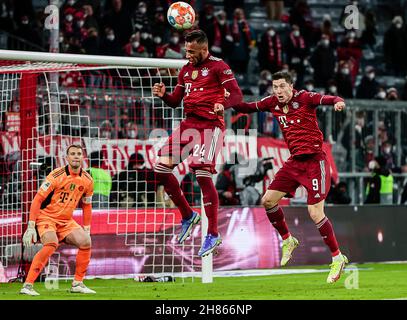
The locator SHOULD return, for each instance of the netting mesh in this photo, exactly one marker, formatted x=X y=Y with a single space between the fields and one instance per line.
x=111 y=112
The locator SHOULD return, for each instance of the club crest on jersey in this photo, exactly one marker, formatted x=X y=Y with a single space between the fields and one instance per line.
x=204 y=72
x=296 y=105
x=285 y=109
x=194 y=74
x=72 y=187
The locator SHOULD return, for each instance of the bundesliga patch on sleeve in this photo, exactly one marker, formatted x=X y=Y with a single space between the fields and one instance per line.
x=228 y=72
x=46 y=185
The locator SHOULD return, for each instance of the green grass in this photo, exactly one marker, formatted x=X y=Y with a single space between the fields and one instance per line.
x=375 y=281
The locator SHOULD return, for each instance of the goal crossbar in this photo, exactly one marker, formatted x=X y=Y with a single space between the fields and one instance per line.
x=82 y=59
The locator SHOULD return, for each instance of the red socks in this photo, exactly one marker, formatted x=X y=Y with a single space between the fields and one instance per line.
x=276 y=217
x=210 y=199
x=328 y=234
x=171 y=186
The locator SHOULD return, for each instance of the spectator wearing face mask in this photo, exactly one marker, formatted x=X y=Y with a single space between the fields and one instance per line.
x=344 y=80
x=68 y=23
x=392 y=94
x=323 y=61
x=380 y=185
x=350 y=50
x=326 y=29
x=140 y=18
x=90 y=20
x=368 y=86
x=209 y=24
x=80 y=32
x=134 y=48
x=243 y=42
x=225 y=33
x=146 y=40
x=119 y=19
x=91 y=43
x=110 y=45
x=381 y=94
x=395 y=47
x=297 y=54
x=28 y=31
x=174 y=49
x=270 y=53
x=386 y=151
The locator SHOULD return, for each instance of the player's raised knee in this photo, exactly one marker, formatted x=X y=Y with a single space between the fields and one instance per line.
x=268 y=202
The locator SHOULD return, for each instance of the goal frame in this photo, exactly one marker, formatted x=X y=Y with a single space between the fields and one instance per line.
x=28 y=115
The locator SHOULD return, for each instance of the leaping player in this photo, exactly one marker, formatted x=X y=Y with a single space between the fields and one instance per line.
x=201 y=84
x=307 y=166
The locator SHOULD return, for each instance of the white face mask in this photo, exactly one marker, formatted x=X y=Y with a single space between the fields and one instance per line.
x=132 y=134
x=174 y=40
x=157 y=40
x=143 y=10
x=399 y=25
x=325 y=43
x=71 y=2
x=345 y=71
x=372 y=165
x=387 y=150
x=61 y=39
x=269 y=77
x=271 y=33
x=382 y=95
x=332 y=89
x=309 y=87
x=110 y=37
x=106 y=134
x=222 y=21
x=80 y=23
x=296 y=33
x=371 y=75
x=69 y=17
x=136 y=44
x=144 y=35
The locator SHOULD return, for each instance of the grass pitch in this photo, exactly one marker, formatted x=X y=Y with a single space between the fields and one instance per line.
x=359 y=282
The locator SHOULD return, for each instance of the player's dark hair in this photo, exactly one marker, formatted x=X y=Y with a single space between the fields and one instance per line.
x=78 y=146
x=196 y=35
x=283 y=75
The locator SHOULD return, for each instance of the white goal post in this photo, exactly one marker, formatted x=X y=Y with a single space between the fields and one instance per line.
x=98 y=101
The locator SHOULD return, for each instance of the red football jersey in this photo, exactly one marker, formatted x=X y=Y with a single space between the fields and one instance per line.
x=298 y=121
x=203 y=87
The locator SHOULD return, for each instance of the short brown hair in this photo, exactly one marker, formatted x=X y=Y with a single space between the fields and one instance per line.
x=283 y=75
x=78 y=146
x=196 y=35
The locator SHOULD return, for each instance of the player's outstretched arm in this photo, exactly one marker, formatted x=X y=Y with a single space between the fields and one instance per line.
x=336 y=101
x=256 y=106
x=173 y=99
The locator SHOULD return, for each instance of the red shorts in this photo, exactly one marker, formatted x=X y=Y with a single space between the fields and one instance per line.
x=197 y=140
x=311 y=171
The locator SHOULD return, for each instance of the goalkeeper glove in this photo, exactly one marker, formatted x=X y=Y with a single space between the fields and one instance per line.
x=30 y=235
x=87 y=230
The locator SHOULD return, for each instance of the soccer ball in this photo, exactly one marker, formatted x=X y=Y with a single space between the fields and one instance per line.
x=181 y=15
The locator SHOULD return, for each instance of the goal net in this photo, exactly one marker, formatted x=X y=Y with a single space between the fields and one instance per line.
x=49 y=101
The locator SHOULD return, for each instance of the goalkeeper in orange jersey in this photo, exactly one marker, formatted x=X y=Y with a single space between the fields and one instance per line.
x=51 y=213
